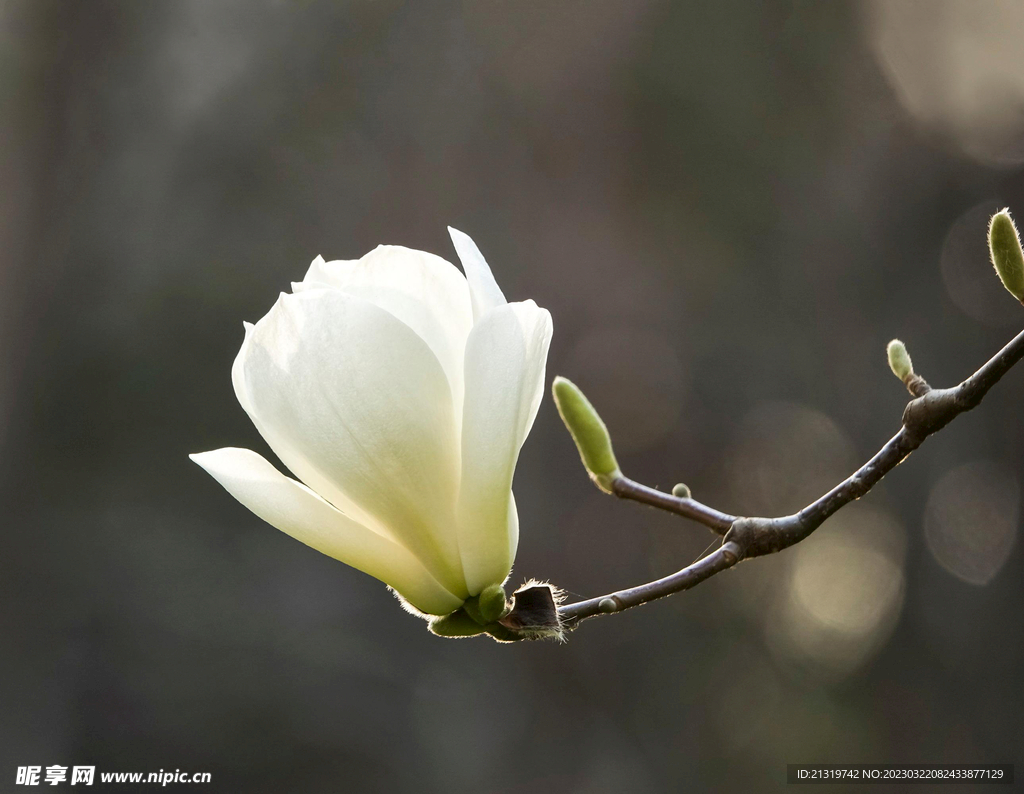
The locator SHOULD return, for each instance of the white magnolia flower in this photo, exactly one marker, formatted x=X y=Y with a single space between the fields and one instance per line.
x=398 y=392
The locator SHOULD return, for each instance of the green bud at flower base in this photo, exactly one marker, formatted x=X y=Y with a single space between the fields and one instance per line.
x=457 y=624
x=487 y=607
x=533 y=614
x=1007 y=256
x=588 y=431
x=899 y=360
x=492 y=603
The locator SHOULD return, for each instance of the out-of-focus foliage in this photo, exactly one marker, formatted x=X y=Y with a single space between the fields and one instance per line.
x=728 y=207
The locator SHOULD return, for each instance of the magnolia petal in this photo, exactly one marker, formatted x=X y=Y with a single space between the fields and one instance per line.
x=297 y=511
x=513 y=526
x=355 y=403
x=424 y=291
x=505 y=361
x=283 y=447
x=484 y=290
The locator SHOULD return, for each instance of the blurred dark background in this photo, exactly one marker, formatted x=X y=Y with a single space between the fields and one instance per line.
x=729 y=209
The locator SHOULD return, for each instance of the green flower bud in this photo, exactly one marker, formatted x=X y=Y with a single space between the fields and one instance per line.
x=588 y=431
x=1007 y=256
x=457 y=624
x=681 y=490
x=492 y=603
x=903 y=368
x=899 y=360
x=487 y=607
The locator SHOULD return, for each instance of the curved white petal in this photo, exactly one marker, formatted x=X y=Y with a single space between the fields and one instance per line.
x=424 y=291
x=484 y=290
x=505 y=361
x=513 y=527
x=283 y=446
x=356 y=404
x=294 y=509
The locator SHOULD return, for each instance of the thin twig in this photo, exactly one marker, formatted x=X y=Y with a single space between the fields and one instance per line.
x=688 y=508
x=745 y=538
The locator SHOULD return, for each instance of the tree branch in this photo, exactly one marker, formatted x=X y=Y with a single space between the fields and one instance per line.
x=626 y=488
x=745 y=538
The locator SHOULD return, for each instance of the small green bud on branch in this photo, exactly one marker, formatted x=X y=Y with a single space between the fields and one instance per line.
x=1007 y=256
x=899 y=360
x=588 y=431
x=681 y=490
x=903 y=368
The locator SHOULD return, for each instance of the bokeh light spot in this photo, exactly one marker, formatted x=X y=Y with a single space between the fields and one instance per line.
x=957 y=68
x=844 y=594
x=971 y=520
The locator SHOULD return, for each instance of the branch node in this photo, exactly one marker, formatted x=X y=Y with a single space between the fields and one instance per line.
x=930 y=412
x=740 y=537
x=732 y=552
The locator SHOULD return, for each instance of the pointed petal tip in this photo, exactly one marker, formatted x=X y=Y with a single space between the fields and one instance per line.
x=460 y=238
x=211 y=456
x=484 y=290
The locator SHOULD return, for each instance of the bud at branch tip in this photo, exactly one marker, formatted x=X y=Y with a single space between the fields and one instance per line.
x=1007 y=256
x=903 y=368
x=588 y=431
x=899 y=360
